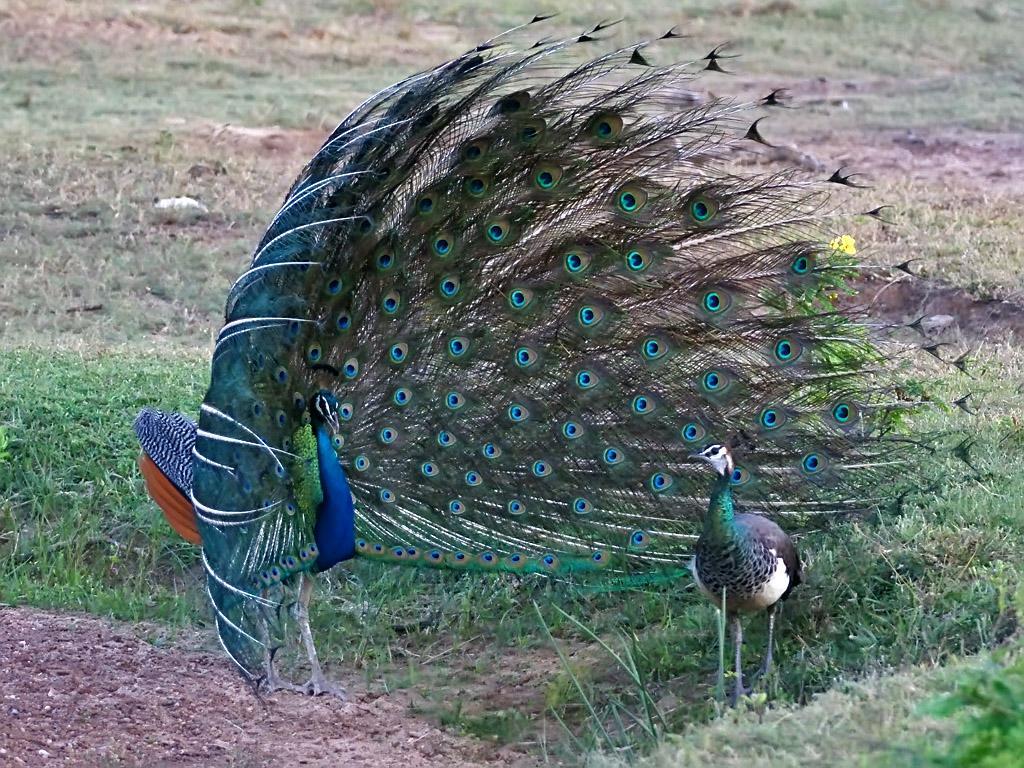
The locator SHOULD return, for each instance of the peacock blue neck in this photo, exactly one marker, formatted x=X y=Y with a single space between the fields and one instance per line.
x=335 y=529
x=720 y=523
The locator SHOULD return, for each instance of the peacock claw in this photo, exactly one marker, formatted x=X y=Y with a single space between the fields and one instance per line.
x=319 y=685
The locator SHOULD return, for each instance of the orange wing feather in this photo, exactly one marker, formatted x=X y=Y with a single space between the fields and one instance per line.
x=176 y=507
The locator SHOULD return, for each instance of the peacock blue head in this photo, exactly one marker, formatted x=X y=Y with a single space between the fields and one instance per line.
x=719 y=457
x=323 y=409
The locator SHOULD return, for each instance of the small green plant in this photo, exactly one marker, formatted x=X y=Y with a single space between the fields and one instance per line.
x=989 y=702
x=5 y=445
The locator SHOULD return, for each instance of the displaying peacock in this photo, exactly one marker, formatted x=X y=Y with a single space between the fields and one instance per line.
x=496 y=313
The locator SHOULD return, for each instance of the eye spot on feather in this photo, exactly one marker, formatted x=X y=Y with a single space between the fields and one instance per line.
x=702 y=208
x=812 y=463
x=428 y=469
x=713 y=381
x=491 y=450
x=801 y=265
x=388 y=435
x=516 y=561
x=345 y=411
x=487 y=559
x=333 y=286
x=337 y=442
x=739 y=477
x=281 y=375
x=398 y=352
x=639 y=539
x=541 y=468
x=518 y=413
x=351 y=368
x=576 y=262
x=281 y=418
x=402 y=396
x=787 y=351
x=631 y=198
x=770 y=418
x=612 y=456
x=454 y=400
x=449 y=286
x=716 y=302
x=520 y=298
x=257 y=409
x=549 y=561
x=391 y=303
x=572 y=430
x=654 y=349
x=475 y=150
x=425 y=205
x=385 y=261
x=476 y=187
x=638 y=260
x=643 y=405
x=606 y=126
x=388 y=497
x=582 y=506
x=435 y=556
x=516 y=507
x=514 y=102
x=660 y=482
x=546 y=177
x=498 y=231
x=313 y=353
x=587 y=380
x=442 y=244
x=344 y=321
x=279 y=470
x=445 y=439
x=589 y=316
x=525 y=357
x=473 y=478
x=458 y=346
x=361 y=463
x=531 y=131
x=456 y=507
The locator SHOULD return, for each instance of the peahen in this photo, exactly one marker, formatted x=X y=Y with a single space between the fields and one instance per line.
x=496 y=313
x=748 y=558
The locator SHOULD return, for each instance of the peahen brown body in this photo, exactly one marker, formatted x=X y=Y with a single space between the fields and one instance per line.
x=494 y=315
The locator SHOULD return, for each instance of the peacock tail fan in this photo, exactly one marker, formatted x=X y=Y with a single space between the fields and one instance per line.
x=535 y=285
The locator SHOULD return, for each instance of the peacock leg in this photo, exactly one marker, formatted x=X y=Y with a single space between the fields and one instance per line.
x=318 y=684
x=271 y=680
x=737 y=639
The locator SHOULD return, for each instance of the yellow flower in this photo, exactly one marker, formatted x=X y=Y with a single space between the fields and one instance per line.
x=844 y=244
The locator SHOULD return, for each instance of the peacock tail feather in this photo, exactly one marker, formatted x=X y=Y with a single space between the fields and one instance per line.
x=535 y=285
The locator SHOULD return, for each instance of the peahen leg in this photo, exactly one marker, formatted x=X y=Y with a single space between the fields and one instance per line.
x=318 y=684
x=767 y=666
x=737 y=638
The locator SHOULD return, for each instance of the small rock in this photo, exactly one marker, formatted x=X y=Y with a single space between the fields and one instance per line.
x=180 y=204
x=935 y=324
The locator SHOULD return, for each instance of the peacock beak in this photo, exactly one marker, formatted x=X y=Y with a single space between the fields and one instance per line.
x=332 y=421
x=696 y=457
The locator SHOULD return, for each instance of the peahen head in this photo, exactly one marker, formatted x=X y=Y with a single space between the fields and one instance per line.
x=323 y=409
x=719 y=457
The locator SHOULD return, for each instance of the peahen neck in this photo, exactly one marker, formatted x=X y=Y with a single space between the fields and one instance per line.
x=720 y=522
x=335 y=529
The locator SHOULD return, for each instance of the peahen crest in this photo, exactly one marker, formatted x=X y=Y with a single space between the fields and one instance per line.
x=534 y=286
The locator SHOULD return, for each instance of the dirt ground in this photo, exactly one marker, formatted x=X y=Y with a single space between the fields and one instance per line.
x=78 y=691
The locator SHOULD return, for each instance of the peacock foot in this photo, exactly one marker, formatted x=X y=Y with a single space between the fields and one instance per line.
x=273 y=683
x=319 y=685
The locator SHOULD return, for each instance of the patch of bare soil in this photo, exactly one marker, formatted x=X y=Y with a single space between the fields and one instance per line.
x=77 y=691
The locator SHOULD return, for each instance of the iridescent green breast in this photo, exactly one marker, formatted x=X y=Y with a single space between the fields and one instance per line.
x=306 y=471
